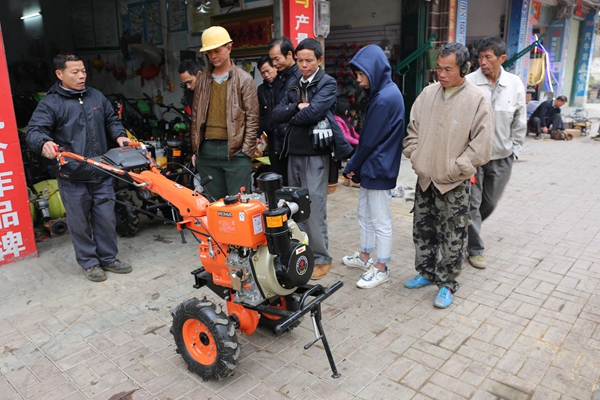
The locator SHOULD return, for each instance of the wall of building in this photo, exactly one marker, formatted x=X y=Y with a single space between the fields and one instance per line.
x=364 y=13
x=483 y=18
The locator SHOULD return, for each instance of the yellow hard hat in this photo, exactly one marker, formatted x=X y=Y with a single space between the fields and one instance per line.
x=214 y=37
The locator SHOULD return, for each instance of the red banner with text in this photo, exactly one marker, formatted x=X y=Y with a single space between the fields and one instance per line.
x=298 y=20
x=17 y=239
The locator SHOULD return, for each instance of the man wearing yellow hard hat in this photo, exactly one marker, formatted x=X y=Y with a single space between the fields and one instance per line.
x=224 y=118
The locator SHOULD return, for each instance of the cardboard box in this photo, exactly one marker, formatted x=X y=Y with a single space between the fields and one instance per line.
x=573 y=132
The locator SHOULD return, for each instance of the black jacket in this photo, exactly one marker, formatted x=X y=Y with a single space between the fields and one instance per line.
x=82 y=123
x=266 y=102
x=321 y=94
x=281 y=84
x=545 y=111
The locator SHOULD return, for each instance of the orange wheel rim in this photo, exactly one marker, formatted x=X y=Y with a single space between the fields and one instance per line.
x=282 y=306
x=199 y=342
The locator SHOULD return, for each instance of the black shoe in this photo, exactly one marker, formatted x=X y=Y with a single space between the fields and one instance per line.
x=95 y=274
x=117 y=267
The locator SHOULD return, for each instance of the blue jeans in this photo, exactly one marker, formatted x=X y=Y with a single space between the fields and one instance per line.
x=375 y=221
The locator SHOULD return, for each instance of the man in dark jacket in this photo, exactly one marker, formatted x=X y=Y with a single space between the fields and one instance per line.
x=265 y=95
x=547 y=115
x=189 y=70
x=81 y=120
x=308 y=102
x=376 y=163
x=281 y=51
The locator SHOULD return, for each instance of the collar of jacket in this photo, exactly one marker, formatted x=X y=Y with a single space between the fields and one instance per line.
x=59 y=89
x=441 y=89
x=290 y=71
x=210 y=69
x=481 y=79
x=315 y=80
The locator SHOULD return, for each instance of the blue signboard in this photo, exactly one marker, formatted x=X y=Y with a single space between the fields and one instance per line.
x=517 y=30
x=461 y=21
x=586 y=52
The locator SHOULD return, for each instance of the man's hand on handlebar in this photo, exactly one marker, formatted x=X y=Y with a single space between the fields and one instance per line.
x=49 y=149
x=123 y=140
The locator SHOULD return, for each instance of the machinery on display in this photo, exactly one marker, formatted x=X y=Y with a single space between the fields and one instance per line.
x=253 y=256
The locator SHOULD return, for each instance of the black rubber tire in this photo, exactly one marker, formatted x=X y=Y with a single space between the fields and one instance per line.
x=270 y=322
x=127 y=217
x=221 y=334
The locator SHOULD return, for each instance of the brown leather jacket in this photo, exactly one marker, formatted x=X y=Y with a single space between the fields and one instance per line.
x=242 y=111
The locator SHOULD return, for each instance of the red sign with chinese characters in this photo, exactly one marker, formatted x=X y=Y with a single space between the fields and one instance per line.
x=452 y=21
x=17 y=240
x=298 y=20
x=578 y=11
x=537 y=10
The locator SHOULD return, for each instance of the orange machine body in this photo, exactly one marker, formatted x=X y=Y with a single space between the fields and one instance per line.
x=239 y=224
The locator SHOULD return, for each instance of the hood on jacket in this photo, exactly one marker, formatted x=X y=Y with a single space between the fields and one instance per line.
x=372 y=61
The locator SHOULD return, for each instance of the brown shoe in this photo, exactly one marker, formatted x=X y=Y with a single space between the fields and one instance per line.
x=320 y=271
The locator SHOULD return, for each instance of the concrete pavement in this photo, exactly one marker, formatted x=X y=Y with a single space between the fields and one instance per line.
x=527 y=327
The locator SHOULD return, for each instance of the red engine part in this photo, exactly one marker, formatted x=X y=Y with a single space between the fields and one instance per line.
x=247 y=319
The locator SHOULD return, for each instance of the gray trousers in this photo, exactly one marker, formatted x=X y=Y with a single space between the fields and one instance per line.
x=312 y=172
x=485 y=194
x=92 y=226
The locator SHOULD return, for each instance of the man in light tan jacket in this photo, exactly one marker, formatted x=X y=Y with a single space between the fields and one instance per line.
x=450 y=134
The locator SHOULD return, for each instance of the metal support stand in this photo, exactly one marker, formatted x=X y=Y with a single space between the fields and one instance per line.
x=315 y=315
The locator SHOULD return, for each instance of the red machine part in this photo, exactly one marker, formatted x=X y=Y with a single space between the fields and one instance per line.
x=247 y=319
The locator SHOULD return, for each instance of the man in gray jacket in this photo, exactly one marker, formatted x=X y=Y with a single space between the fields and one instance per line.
x=449 y=135
x=507 y=95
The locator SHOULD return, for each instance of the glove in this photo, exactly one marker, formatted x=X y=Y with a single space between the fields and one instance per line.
x=322 y=135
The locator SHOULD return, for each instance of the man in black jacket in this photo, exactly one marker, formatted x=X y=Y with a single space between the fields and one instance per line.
x=265 y=95
x=309 y=101
x=281 y=51
x=81 y=120
x=547 y=115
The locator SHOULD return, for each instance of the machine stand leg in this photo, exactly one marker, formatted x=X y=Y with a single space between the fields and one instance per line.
x=320 y=335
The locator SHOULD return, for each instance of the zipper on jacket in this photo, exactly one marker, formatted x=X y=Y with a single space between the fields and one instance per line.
x=80 y=100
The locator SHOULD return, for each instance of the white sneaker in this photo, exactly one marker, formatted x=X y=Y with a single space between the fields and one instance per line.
x=373 y=277
x=355 y=261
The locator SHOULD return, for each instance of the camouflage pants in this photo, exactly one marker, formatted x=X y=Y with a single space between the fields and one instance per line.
x=440 y=233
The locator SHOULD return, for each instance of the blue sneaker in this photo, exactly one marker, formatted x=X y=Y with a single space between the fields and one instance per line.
x=444 y=298
x=417 y=282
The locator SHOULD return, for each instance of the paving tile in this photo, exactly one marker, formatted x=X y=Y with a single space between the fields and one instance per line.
x=20 y=378
x=437 y=392
x=297 y=385
x=43 y=386
x=417 y=376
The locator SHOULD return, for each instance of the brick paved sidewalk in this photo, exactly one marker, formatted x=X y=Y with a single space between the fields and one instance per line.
x=524 y=328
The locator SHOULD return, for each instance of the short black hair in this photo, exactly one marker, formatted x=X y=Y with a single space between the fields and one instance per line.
x=462 y=53
x=494 y=43
x=263 y=60
x=562 y=98
x=311 y=44
x=60 y=60
x=192 y=67
x=285 y=45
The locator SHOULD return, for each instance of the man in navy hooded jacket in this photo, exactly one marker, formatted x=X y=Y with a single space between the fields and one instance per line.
x=376 y=163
